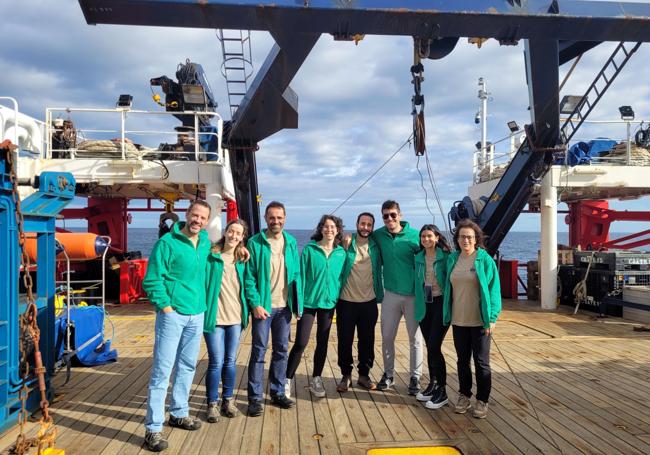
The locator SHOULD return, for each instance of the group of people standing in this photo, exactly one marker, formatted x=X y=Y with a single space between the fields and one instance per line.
x=198 y=287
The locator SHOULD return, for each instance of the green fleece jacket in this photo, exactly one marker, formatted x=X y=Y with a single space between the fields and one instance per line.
x=397 y=257
x=440 y=265
x=489 y=285
x=375 y=260
x=213 y=275
x=321 y=276
x=176 y=272
x=258 y=272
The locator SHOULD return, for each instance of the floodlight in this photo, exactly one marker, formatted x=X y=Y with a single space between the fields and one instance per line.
x=626 y=113
x=569 y=103
x=124 y=101
x=513 y=126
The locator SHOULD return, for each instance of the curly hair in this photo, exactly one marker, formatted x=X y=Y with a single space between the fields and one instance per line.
x=318 y=232
x=467 y=223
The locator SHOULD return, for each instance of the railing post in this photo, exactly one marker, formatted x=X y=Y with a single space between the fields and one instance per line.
x=196 y=136
x=629 y=145
x=123 y=123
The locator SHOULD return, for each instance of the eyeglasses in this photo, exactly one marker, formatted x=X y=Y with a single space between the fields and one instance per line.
x=392 y=215
x=466 y=237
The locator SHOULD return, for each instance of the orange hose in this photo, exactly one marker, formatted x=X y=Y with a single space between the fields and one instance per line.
x=78 y=245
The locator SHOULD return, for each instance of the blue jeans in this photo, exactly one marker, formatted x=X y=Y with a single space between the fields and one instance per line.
x=176 y=346
x=278 y=324
x=222 y=351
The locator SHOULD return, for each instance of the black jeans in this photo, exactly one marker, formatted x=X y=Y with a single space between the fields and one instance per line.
x=363 y=318
x=434 y=331
x=473 y=342
x=303 y=331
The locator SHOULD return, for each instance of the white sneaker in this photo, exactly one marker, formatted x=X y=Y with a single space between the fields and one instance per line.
x=316 y=387
x=287 y=387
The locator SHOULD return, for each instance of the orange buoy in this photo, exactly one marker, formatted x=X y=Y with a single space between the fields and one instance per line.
x=78 y=245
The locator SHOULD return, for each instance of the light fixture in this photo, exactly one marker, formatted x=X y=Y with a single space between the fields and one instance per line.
x=124 y=101
x=513 y=126
x=478 y=145
x=626 y=113
x=477 y=117
x=569 y=103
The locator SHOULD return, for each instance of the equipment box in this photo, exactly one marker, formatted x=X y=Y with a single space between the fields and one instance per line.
x=613 y=261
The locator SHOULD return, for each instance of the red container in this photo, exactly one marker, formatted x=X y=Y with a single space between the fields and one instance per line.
x=508 y=272
x=131 y=277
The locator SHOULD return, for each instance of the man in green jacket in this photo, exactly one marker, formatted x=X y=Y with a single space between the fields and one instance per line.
x=175 y=285
x=398 y=242
x=357 y=306
x=273 y=290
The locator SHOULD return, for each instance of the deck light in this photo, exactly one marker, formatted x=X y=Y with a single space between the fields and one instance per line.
x=627 y=113
x=124 y=101
x=513 y=126
x=569 y=103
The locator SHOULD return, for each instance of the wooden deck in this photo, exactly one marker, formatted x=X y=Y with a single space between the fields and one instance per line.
x=587 y=381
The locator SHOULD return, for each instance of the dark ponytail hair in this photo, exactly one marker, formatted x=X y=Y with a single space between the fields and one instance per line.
x=442 y=240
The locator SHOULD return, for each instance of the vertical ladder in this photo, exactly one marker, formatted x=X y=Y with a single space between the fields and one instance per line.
x=597 y=89
x=237 y=66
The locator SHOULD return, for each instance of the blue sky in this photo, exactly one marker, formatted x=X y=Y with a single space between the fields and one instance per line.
x=354 y=104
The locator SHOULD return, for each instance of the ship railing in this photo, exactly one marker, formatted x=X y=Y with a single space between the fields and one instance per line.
x=489 y=164
x=192 y=143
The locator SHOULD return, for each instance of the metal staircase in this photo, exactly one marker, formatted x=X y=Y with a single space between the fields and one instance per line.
x=237 y=66
x=528 y=166
x=597 y=89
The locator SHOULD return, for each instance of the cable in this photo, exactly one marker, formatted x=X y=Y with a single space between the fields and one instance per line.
x=408 y=141
x=426 y=196
x=530 y=403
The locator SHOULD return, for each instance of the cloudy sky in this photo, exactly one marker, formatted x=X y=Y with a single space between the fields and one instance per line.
x=354 y=104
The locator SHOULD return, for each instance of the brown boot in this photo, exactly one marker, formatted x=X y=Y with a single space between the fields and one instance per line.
x=344 y=384
x=366 y=382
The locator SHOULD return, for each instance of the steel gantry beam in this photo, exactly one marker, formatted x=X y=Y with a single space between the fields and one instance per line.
x=581 y=20
x=556 y=31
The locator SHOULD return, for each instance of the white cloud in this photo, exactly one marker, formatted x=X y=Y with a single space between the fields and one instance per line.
x=354 y=102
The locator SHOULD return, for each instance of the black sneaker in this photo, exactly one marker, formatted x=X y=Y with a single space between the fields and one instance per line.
x=385 y=383
x=255 y=408
x=426 y=394
x=186 y=423
x=281 y=401
x=439 y=398
x=414 y=386
x=155 y=442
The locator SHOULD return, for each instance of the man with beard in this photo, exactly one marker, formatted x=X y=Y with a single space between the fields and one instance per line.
x=273 y=290
x=357 y=305
x=175 y=285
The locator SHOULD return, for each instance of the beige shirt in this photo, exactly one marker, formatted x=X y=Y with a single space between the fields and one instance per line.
x=466 y=304
x=430 y=275
x=279 y=288
x=229 y=305
x=359 y=286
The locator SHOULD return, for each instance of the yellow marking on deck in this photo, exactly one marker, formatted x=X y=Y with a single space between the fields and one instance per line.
x=438 y=450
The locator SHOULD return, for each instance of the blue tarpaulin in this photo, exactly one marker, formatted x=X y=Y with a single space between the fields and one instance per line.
x=583 y=152
x=87 y=325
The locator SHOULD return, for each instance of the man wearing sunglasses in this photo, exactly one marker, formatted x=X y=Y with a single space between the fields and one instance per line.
x=398 y=242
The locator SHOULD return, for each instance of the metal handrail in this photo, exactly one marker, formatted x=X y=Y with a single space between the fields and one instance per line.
x=123 y=132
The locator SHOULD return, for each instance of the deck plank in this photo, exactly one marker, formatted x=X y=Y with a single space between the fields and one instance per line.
x=584 y=379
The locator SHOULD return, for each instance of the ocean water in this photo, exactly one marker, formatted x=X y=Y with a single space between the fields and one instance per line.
x=522 y=246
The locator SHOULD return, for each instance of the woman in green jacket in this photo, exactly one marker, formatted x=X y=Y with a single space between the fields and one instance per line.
x=226 y=315
x=430 y=276
x=321 y=266
x=472 y=303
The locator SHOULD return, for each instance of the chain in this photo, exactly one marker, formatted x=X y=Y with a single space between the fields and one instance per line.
x=417 y=73
x=29 y=329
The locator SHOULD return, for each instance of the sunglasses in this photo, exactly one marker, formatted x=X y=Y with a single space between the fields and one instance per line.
x=392 y=215
x=466 y=237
